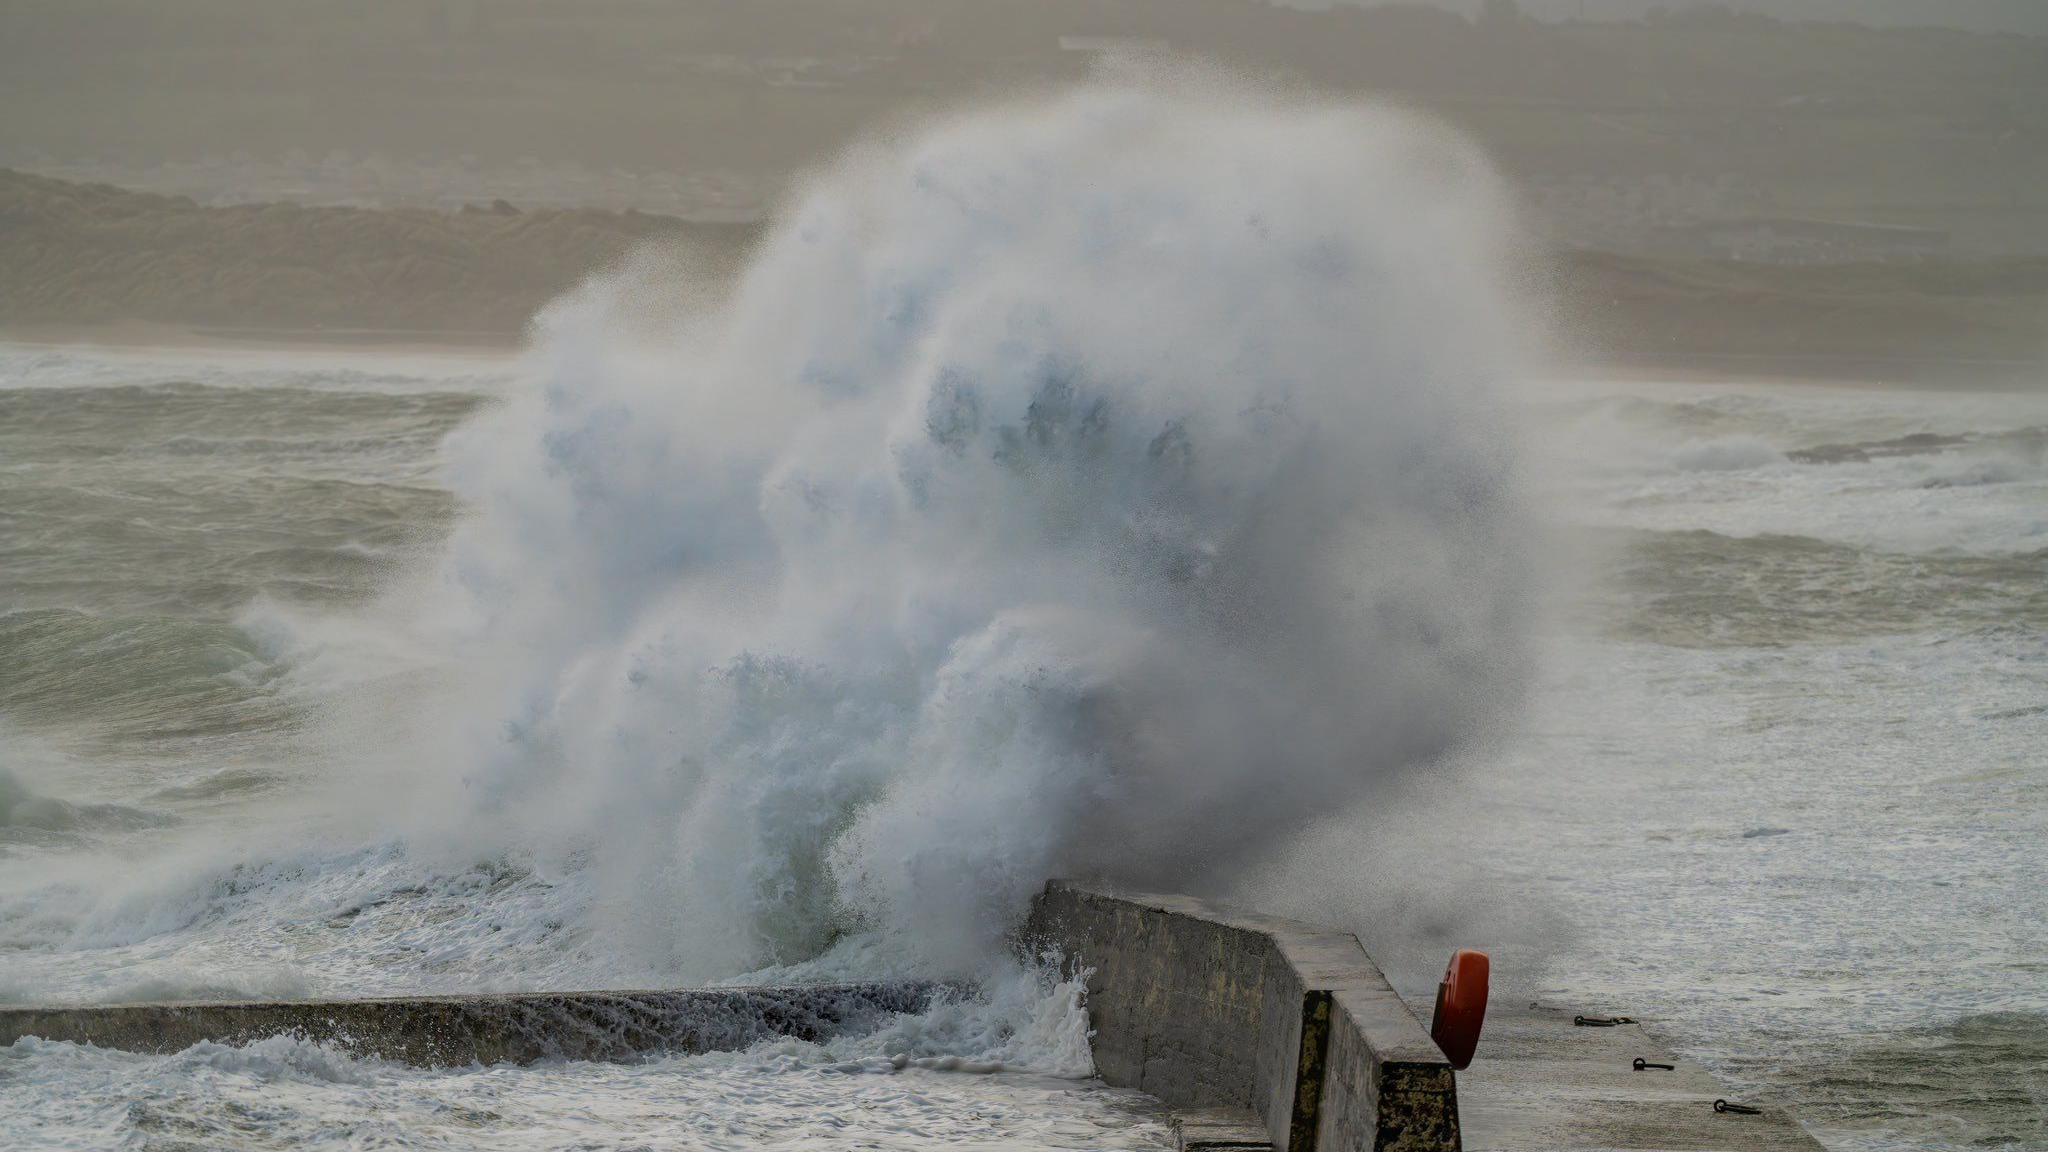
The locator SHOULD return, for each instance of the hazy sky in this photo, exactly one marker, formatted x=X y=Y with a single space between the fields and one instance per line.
x=1987 y=15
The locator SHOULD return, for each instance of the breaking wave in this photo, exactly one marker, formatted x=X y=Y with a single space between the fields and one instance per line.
x=1111 y=484
x=1096 y=486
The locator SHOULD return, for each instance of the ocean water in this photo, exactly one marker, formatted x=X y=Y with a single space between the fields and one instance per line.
x=1199 y=523
x=1779 y=787
x=1787 y=759
x=152 y=712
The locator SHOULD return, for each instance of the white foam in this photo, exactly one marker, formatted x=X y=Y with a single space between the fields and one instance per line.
x=1094 y=485
x=1715 y=457
x=905 y=1087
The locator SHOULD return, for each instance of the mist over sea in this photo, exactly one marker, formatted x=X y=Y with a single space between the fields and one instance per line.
x=989 y=530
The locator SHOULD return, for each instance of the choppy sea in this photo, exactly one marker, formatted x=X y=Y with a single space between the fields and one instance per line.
x=1780 y=785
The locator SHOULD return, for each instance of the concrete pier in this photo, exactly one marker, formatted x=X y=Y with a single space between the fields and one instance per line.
x=1542 y=1082
x=1258 y=1032
x=1265 y=1032
x=439 y=1031
x=1212 y=1009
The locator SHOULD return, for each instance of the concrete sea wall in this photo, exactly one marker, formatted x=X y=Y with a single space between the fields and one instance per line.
x=1543 y=1082
x=1206 y=1008
x=1258 y=1032
x=438 y=1031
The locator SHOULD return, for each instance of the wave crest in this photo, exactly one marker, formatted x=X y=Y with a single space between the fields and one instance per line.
x=1098 y=485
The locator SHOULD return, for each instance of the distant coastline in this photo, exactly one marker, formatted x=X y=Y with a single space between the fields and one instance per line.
x=134 y=335
x=95 y=264
x=1733 y=367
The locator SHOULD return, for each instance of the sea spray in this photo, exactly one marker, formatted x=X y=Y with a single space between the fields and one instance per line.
x=1102 y=484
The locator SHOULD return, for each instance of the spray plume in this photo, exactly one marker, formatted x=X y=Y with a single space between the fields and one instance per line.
x=1105 y=484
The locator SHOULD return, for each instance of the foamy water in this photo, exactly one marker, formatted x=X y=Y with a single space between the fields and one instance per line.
x=1779 y=790
x=285 y=1092
x=999 y=525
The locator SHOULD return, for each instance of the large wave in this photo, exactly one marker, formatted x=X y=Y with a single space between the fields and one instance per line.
x=1104 y=484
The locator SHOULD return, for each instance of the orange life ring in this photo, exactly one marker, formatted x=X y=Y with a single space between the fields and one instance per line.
x=1461 y=1006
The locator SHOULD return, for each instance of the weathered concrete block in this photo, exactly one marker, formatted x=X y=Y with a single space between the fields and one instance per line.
x=1382 y=1087
x=1220 y=1130
x=1206 y=1007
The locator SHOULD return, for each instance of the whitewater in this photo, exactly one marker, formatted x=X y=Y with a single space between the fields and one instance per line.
x=1145 y=484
